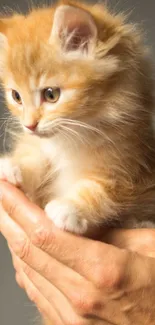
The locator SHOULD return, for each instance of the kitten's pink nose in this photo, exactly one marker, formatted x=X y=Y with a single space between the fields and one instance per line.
x=31 y=127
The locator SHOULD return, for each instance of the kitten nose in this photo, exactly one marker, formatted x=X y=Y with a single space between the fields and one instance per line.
x=31 y=127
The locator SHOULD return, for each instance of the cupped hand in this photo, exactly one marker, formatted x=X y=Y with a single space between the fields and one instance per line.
x=75 y=280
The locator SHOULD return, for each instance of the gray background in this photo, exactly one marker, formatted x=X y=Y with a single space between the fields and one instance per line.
x=15 y=309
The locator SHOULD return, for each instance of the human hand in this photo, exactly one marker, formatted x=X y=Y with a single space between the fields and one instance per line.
x=141 y=241
x=76 y=280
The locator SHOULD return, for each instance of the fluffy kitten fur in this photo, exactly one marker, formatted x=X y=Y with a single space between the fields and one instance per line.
x=91 y=159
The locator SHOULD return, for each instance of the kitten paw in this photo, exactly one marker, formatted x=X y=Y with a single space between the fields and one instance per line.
x=64 y=215
x=10 y=172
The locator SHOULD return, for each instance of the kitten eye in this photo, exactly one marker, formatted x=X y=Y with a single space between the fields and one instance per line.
x=51 y=95
x=16 y=97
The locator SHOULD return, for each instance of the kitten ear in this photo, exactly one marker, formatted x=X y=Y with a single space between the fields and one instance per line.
x=3 y=44
x=74 y=29
x=3 y=30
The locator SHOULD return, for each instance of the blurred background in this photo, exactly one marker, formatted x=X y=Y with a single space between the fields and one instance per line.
x=15 y=308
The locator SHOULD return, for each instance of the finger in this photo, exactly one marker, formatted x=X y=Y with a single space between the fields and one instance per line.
x=101 y=314
x=19 y=281
x=12 y=232
x=42 y=304
x=75 y=288
x=18 y=269
x=64 y=278
x=17 y=263
x=48 y=291
x=82 y=302
x=64 y=247
x=53 y=296
x=67 y=314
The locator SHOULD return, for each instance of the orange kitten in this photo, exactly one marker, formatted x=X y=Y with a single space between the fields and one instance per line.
x=79 y=82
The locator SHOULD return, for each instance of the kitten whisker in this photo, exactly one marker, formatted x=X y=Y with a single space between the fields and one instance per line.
x=73 y=132
x=70 y=139
x=80 y=124
x=88 y=127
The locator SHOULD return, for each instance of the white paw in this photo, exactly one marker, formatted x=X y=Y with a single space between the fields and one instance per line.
x=9 y=172
x=64 y=215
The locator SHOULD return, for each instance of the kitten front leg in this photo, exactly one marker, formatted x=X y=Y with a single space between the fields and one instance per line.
x=86 y=204
x=26 y=168
x=10 y=172
x=67 y=215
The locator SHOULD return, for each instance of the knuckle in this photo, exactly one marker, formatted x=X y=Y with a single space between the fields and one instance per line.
x=42 y=310
x=112 y=281
x=32 y=294
x=22 y=248
x=13 y=209
x=84 y=304
x=107 y=277
x=19 y=280
x=16 y=264
x=108 y=272
x=98 y=277
x=28 y=271
x=41 y=238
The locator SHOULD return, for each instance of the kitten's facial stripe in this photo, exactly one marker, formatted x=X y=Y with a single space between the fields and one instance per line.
x=3 y=42
x=46 y=82
x=42 y=81
x=37 y=99
x=32 y=83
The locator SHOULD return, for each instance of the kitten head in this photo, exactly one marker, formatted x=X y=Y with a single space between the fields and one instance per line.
x=66 y=64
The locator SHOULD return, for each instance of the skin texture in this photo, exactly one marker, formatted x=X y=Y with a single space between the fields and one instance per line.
x=56 y=268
